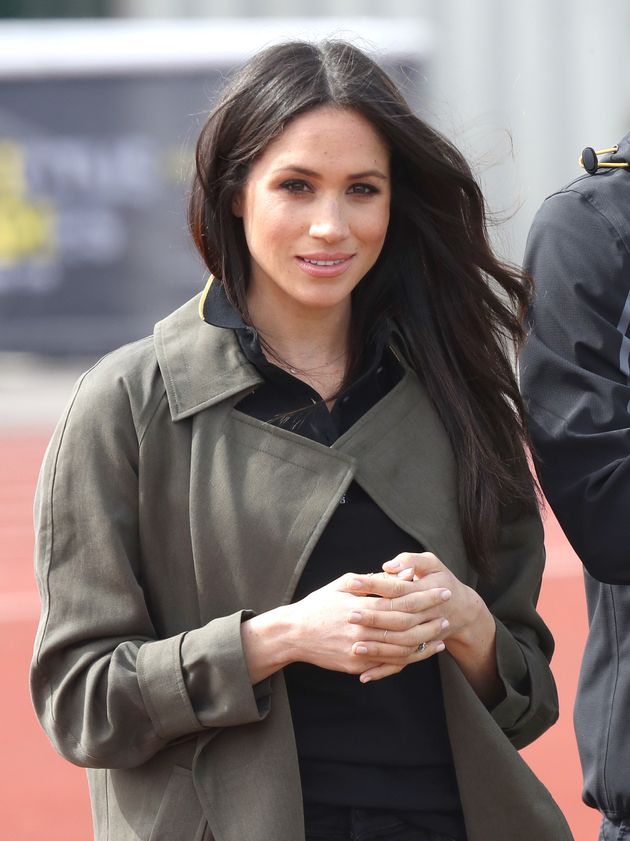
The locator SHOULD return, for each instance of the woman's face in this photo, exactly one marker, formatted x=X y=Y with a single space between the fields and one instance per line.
x=315 y=210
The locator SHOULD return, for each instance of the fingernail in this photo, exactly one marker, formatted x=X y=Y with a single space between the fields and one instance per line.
x=360 y=649
x=355 y=616
x=391 y=564
x=355 y=584
x=405 y=572
x=440 y=646
x=445 y=595
x=445 y=624
x=365 y=678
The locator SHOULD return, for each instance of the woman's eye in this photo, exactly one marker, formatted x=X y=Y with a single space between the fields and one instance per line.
x=295 y=185
x=363 y=189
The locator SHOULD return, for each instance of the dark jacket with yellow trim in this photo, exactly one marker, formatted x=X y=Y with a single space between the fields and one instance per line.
x=575 y=376
x=164 y=515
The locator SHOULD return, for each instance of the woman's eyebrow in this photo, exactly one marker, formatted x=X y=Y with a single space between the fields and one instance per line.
x=375 y=173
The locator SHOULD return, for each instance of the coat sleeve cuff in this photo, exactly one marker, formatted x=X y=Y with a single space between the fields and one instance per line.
x=216 y=675
x=212 y=657
x=163 y=688
x=513 y=671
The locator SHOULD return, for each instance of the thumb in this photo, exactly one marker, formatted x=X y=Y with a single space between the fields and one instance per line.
x=410 y=565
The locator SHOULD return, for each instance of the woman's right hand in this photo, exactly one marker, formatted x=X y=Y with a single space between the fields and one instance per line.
x=324 y=629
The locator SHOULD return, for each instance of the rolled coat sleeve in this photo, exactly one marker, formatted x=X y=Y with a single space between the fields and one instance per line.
x=108 y=691
x=574 y=370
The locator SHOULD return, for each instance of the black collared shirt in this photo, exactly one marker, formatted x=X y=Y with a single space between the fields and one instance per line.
x=383 y=744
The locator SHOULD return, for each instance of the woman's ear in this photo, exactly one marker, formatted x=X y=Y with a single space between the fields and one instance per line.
x=237 y=204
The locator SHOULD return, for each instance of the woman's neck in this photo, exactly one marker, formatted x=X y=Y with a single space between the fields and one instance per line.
x=312 y=345
x=300 y=336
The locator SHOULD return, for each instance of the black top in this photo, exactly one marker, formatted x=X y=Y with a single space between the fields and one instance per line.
x=383 y=744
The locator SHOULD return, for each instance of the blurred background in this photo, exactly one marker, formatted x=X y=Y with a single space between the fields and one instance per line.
x=100 y=105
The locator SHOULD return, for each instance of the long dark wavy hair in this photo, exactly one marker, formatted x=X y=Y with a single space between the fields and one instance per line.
x=457 y=307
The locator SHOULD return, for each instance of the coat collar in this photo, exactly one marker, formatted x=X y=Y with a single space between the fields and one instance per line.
x=187 y=351
x=188 y=344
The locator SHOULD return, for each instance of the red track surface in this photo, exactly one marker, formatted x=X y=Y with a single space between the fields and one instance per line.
x=45 y=797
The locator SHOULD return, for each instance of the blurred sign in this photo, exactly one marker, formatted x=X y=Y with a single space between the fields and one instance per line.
x=97 y=139
x=93 y=181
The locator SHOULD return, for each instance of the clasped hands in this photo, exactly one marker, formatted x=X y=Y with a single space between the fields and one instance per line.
x=418 y=601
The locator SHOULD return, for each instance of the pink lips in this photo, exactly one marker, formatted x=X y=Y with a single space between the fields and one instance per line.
x=324 y=265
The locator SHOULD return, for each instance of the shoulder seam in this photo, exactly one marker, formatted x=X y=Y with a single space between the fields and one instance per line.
x=568 y=191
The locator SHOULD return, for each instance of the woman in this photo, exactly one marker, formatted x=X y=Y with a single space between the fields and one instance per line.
x=289 y=546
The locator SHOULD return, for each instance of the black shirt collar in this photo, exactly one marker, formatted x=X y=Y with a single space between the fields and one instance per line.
x=216 y=309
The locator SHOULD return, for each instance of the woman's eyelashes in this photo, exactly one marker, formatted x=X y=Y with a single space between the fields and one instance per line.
x=363 y=189
x=297 y=186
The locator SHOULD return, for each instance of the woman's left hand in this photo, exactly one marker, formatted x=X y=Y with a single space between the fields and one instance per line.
x=470 y=634
x=426 y=571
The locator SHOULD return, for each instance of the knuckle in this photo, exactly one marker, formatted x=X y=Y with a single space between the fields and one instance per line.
x=369 y=619
x=423 y=616
x=400 y=587
x=404 y=621
x=413 y=637
x=414 y=602
x=404 y=604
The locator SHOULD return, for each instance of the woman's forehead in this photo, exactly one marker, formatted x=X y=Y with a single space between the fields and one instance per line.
x=326 y=137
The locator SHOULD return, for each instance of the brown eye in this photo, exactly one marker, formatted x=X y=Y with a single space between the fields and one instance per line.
x=295 y=185
x=363 y=189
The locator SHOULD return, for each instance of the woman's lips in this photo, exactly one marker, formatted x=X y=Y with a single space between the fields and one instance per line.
x=324 y=265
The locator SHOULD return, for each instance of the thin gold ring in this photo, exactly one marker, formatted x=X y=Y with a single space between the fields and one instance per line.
x=385 y=635
x=391 y=604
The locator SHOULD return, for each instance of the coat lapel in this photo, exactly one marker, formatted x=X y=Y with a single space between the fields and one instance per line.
x=245 y=473
x=405 y=463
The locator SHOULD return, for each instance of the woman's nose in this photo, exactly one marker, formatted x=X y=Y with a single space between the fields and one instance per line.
x=330 y=223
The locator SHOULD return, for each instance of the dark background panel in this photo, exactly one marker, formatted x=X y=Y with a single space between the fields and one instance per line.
x=94 y=178
x=94 y=175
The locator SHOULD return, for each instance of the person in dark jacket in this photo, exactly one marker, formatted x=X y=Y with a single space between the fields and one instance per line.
x=575 y=371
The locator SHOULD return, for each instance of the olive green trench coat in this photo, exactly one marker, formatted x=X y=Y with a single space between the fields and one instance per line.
x=165 y=516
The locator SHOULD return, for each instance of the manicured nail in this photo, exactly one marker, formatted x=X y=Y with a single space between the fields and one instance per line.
x=405 y=572
x=445 y=595
x=355 y=584
x=355 y=616
x=365 y=678
x=360 y=649
x=391 y=564
x=445 y=624
x=440 y=646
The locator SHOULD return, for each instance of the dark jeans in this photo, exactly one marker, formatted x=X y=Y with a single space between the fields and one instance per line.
x=330 y=823
x=614 y=831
